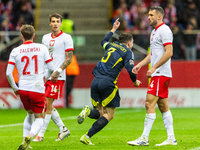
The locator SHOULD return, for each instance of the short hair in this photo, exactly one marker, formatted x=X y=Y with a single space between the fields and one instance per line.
x=56 y=15
x=158 y=9
x=27 y=31
x=125 y=37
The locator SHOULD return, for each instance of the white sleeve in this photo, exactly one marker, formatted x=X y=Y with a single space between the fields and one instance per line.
x=167 y=36
x=49 y=63
x=9 y=75
x=69 y=43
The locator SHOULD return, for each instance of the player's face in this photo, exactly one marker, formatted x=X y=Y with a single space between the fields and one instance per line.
x=152 y=16
x=130 y=45
x=55 y=24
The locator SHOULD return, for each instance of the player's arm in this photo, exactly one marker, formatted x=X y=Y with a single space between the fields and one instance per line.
x=68 y=60
x=166 y=56
x=105 y=40
x=144 y=62
x=9 y=75
x=129 y=64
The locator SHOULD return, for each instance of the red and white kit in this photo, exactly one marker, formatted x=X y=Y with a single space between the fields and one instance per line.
x=57 y=46
x=160 y=37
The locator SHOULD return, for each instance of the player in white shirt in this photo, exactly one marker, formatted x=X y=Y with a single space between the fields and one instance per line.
x=30 y=59
x=61 y=49
x=160 y=73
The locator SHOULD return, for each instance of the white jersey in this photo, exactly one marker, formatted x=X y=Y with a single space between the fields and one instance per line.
x=30 y=59
x=160 y=36
x=57 y=47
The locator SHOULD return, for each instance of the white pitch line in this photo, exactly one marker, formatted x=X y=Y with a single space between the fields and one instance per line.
x=197 y=148
x=72 y=117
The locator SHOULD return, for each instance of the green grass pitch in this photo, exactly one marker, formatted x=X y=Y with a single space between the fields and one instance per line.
x=127 y=125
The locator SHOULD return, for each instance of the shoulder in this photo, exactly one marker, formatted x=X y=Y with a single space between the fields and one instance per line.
x=164 y=28
x=66 y=35
x=47 y=35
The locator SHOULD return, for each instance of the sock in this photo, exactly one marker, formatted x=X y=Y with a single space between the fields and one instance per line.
x=57 y=120
x=168 y=122
x=36 y=126
x=45 y=124
x=97 y=126
x=94 y=114
x=27 y=124
x=149 y=119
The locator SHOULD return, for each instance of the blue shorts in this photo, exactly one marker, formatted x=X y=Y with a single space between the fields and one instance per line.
x=104 y=92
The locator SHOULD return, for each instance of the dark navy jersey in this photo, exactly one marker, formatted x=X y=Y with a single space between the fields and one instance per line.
x=116 y=57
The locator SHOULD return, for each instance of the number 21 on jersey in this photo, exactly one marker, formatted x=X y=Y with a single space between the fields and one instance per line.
x=27 y=61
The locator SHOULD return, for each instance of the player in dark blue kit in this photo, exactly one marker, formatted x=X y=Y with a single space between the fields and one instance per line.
x=104 y=91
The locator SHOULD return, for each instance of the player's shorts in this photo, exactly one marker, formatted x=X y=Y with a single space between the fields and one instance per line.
x=159 y=86
x=53 y=89
x=33 y=100
x=104 y=92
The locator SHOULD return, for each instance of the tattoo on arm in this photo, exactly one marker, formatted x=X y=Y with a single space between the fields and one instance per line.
x=69 y=56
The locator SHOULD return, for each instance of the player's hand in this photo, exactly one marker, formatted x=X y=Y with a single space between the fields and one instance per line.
x=16 y=93
x=136 y=69
x=115 y=25
x=44 y=79
x=54 y=76
x=150 y=72
x=137 y=83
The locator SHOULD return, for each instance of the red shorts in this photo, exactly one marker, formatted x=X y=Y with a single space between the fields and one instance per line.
x=159 y=86
x=33 y=101
x=53 y=89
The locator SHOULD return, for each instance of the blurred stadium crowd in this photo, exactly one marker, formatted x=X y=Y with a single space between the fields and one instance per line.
x=13 y=13
x=182 y=16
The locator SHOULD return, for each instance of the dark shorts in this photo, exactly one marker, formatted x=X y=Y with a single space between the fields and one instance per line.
x=104 y=92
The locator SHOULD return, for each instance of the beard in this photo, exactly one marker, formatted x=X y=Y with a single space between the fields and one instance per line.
x=153 y=23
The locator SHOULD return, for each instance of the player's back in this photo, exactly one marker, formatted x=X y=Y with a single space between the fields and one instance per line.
x=114 y=59
x=30 y=61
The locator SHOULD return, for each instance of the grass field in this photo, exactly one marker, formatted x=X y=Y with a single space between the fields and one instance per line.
x=127 y=125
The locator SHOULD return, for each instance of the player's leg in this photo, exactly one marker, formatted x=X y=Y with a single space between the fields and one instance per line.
x=38 y=104
x=47 y=118
x=149 y=120
x=168 y=122
x=27 y=124
x=108 y=115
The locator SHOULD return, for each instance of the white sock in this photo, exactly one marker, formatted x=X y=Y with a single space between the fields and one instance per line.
x=168 y=122
x=57 y=120
x=28 y=121
x=45 y=124
x=149 y=119
x=36 y=126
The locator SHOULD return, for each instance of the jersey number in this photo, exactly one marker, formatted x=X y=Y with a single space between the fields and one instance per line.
x=26 y=58
x=110 y=50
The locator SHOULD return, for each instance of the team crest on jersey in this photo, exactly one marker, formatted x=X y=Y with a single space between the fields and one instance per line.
x=51 y=43
x=131 y=62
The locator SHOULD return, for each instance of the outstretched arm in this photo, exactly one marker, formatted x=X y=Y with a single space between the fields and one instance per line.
x=109 y=35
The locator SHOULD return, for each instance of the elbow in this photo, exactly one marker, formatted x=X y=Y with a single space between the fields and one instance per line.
x=102 y=42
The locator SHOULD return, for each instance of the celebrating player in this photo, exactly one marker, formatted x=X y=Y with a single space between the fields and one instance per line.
x=30 y=59
x=104 y=91
x=61 y=49
x=160 y=74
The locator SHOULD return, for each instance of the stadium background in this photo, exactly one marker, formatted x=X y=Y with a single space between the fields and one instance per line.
x=92 y=23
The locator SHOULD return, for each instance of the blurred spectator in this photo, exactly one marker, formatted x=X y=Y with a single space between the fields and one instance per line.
x=177 y=41
x=124 y=14
x=67 y=24
x=170 y=16
x=22 y=12
x=191 y=11
x=5 y=26
x=189 y=41
x=198 y=45
x=137 y=10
